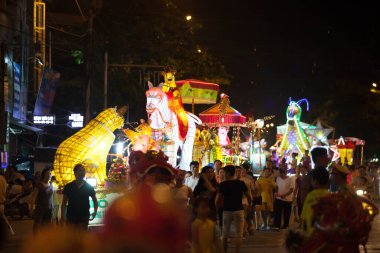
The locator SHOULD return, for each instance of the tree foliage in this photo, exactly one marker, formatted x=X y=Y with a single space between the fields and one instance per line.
x=148 y=33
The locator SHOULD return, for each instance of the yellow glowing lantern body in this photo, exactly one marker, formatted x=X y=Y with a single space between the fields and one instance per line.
x=89 y=146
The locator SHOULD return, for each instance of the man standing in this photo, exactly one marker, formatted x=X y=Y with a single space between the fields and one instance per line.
x=192 y=181
x=77 y=194
x=284 y=199
x=231 y=193
x=249 y=182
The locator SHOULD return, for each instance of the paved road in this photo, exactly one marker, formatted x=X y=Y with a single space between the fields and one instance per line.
x=260 y=242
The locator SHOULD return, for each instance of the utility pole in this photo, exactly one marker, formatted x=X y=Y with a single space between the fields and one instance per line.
x=89 y=64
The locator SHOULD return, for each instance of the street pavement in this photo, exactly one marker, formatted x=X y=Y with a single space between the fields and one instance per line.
x=260 y=242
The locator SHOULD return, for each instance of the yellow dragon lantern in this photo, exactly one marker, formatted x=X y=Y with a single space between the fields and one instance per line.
x=89 y=146
x=174 y=100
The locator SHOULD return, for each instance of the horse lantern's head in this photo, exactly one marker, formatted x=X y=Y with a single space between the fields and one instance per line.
x=154 y=97
x=294 y=111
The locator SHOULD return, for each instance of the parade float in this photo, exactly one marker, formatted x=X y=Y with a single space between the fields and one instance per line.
x=295 y=137
x=218 y=121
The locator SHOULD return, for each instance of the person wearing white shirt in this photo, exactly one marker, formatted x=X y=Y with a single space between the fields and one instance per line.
x=284 y=198
x=192 y=181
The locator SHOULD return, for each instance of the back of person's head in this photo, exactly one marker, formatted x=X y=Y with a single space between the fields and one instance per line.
x=321 y=176
x=230 y=170
x=318 y=152
x=206 y=168
x=77 y=167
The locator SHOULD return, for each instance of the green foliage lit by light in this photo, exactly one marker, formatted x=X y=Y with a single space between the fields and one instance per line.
x=78 y=56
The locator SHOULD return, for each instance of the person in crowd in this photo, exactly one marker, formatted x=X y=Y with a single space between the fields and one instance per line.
x=56 y=202
x=293 y=163
x=3 y=199
x=42 y=198
x=205 y=233
x=269 y=165
x=306 y=160
x=256 y=203
x=192 y=181
x=301 y=171
x=284 y=198
x=266 y=186
x=361 y=181
x=339 y=179
x=241 y=174
x=231 y=193
x=183 y=194
x=320 y=182
x=12 y=175
x=76 y=196
x=354 y=172
x=15 y=188
x=320 y=158
x=218 y=169
x=187 y=174
x=36 y=178
x=207 y=187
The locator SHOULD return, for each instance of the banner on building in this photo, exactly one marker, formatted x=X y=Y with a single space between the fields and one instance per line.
x=46 y=93
x=19 y=94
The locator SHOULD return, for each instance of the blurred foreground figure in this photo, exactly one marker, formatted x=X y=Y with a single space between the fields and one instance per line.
x=144 y=220
x=342 y=222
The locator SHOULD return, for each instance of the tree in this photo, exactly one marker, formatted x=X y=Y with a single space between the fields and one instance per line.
x=153 y=33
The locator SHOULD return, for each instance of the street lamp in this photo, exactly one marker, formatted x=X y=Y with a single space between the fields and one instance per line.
x=374 y=85
x=188 y=17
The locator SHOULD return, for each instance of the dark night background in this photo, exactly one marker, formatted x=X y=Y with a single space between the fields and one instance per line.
x=271 y=50
x=323 y=51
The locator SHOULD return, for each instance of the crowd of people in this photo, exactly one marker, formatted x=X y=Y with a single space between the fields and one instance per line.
x=219 y=205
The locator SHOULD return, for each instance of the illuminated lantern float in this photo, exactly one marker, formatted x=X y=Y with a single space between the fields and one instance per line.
x=296 y=136
x=220 y=118
x=294 y=139
x=346 y=148
x=89 y=146
x=171 y=125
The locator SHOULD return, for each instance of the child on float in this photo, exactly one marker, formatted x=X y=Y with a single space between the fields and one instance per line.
x=205 y=232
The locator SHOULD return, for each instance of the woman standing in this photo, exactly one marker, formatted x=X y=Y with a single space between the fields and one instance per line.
x=43 y=200
x=207 y=187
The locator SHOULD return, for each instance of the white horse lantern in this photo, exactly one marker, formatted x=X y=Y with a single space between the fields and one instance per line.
x=164 y=124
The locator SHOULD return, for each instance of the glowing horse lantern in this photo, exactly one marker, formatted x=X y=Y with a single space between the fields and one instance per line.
x=164 y=121
x=294 y=139
x=89 y=146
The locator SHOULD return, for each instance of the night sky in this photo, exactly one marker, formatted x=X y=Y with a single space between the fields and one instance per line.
x=281 y=49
